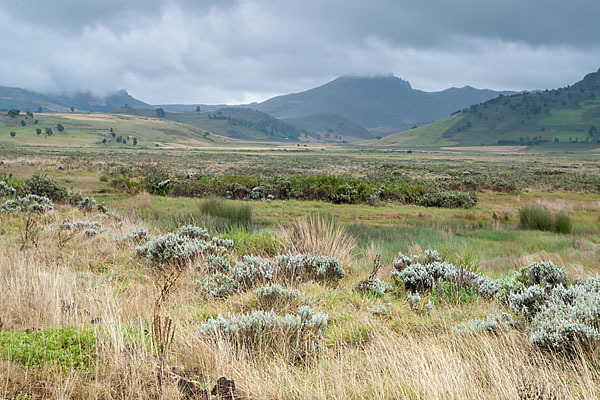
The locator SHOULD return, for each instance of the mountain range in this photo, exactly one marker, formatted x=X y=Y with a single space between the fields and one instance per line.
x=345 y=109
x=382 y=103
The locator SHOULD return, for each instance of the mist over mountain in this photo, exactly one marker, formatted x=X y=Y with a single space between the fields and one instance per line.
x=23 y=99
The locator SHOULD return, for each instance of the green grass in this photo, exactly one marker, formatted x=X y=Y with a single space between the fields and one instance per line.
x=70 y=348
x=237 y=214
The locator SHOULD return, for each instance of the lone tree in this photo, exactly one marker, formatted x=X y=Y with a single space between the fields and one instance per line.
x=60 y=127
x=49 y=131
x=23 y=122
x=197 y=108
x=135 y=141
x=160 y=113
x=38 y=131
x=13 y=134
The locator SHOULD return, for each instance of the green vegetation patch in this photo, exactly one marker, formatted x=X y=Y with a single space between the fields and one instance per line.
x=70 y=348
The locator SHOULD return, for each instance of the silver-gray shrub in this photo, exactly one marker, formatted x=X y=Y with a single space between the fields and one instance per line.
x=570 y=316
x=178 y=249
x=273 y=294
x=307 y=267
x=139 y=235
x=267 y=330
x=194 y=232
x=86 y=204
x=6 y=190
x=421 y=272
x=29 y=203
x=491 y=323
x=170 y=250
x=375 y=287
x=252 y=271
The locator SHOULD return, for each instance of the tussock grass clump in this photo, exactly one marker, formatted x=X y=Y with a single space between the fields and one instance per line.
x=236 y=214
x=320 y=234
x=536 y=217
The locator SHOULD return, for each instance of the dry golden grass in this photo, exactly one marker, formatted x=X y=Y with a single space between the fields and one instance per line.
x=403 y=356
x=320 y=235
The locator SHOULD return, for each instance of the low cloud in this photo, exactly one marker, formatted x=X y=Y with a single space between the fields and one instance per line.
x=242 y=51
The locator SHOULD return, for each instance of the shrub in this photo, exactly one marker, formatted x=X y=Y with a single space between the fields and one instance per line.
x=69 y=348
x=177 y=250
x=273 y=295
x=30 y=203
x=253 y=271
x=138 y=236
x=86 y=204
x=265 y=331
x=6 y=190
x=422 y=272
x=170 y=250
x=42 y=185
x=490 y=324
x=569 y=317
x=375 y=287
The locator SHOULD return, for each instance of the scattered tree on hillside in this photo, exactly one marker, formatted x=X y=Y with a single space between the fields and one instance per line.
x=23 y=122
x=72 y=109
x=160 y=113
x=38 y=131
x=13 y=134
x=135 y=141
x=197 y=108
x=60 y=127
x=13 y=112
x=39 y=109
x=29 y=114
x=49 y=131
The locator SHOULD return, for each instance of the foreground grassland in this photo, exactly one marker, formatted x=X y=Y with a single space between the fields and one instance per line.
x=78 y=309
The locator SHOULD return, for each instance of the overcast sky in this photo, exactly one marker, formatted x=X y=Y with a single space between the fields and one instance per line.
x=228 y=51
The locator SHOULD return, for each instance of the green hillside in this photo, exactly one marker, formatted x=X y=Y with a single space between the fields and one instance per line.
x=99 y=130
x=237 y=123
x=565 y=115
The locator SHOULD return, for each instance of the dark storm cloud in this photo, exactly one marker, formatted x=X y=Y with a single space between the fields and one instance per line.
x=234 y=51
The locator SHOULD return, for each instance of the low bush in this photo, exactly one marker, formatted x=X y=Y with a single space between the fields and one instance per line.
x=253 y=271
x=69 y=348
x=42 y=185
x=273 y=296
x=30 y=203
x=265 y=331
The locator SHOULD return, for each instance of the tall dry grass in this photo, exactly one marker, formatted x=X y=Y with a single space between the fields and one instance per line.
x=319 y=234
x=96 y=279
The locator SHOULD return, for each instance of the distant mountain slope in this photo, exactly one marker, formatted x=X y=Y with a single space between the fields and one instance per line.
x=330 y=127
x=98 y=130
x=570 y=114
x=238 y=123
x=21 y=99
x=384 y=102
